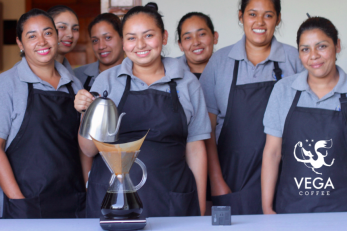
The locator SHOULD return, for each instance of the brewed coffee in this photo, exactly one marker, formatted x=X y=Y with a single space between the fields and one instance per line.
x=121 y=205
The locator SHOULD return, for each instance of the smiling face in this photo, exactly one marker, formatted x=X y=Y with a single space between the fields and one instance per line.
x=143 y=40
x=197 y=40
x=317 y=52
x=39 y=40
x=259 y=22
x=107 y=44
x=68 y=30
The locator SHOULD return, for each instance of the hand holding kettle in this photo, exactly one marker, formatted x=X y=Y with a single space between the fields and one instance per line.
x=82 y=100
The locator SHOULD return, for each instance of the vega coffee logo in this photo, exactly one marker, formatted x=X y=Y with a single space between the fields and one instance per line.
x=318 y=186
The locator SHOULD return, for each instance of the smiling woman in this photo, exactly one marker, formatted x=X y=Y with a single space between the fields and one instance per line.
x=105 y=33
x=237 y=83
x=196 y=38
x=66 y=22
x=40 y=170
x=306 y=115
x=156 y=94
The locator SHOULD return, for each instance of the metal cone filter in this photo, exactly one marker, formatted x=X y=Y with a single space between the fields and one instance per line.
x=119 y=157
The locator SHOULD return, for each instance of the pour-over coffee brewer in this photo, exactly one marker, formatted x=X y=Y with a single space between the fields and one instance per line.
x=121 y=207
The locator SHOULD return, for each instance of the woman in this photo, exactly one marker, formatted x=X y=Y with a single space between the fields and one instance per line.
x=105 y=33
x=237 y=83
x=40 y=171
x=66 y=21
x=305 y=123
x=196 y=37
x=156 y=94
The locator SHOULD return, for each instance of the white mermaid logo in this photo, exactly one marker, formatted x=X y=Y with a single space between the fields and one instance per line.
x=308 y=159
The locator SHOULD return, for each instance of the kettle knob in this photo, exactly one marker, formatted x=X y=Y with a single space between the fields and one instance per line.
x=105 y=94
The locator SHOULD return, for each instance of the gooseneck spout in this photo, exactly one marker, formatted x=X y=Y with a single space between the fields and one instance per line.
x=118 y=125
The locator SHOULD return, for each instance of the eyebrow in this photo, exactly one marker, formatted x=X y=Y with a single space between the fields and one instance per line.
x=268 y=11
x=33 y=31
x=314 y=44
x=142 y=32
x=193 y=31
x=101 y=35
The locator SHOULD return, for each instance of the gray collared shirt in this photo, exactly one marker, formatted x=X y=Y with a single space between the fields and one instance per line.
x=283 y=94
x=188 y=88
x=14 y=94
x=83 y=72
x=218 y=74
x=67 y=65
x=183 y=62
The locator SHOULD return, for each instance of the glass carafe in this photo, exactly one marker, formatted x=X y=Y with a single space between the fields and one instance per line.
x=121 y=200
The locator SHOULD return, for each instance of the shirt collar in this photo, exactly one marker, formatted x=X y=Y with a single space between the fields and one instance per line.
x=183 y=60
x=92 y=69
x=67 y=65
x=173 y=69
x=277 y=53
x=27 y=75
x=300 y=83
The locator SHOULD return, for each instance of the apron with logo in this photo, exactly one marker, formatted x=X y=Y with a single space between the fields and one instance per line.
x=313 y=177
x=241 y=144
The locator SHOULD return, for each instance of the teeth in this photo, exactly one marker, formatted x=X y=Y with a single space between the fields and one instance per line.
x=67 y=43
x=104 y=53
x=197 y=51
x=258 y=31
x=43 y=51
x=142 y=53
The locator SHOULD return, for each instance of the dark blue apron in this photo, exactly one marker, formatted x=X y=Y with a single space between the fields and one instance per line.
x=170 y=189
x=313 y=177
x=44 y=157
x=241 y=143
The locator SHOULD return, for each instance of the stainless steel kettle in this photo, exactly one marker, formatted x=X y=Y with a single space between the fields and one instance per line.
x=101 y=120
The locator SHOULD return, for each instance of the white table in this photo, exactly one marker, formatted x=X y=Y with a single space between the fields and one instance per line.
x=288 y=222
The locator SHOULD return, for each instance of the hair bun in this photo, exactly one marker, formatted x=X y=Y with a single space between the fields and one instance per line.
x=152 y=5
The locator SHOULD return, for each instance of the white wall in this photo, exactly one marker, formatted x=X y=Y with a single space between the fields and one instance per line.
x=224 y=17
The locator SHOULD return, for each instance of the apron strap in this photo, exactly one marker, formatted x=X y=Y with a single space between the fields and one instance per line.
x=291 y=110
x=278 y=71
x=125 y=94
x=343 y=102
x=236 y=71
x=174 y=95
x=69 y=87
x=86 y=84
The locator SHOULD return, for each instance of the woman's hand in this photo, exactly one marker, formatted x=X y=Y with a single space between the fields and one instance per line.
x=82 y=100
x=218 y=185
x=8 y=182
x=269 y=172
x=197 y=162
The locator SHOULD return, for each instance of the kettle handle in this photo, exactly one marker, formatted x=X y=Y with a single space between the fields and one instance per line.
x=144 y=176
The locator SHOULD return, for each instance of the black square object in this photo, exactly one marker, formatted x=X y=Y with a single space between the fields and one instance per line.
x=221 y=215
x=10 y=32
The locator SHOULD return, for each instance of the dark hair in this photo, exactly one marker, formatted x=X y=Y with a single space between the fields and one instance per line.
x=276 y=3
x=191 y=14
x=107 y=17
x=320 y=23
x=58 y=9
x=32 y=13
x=150 y=9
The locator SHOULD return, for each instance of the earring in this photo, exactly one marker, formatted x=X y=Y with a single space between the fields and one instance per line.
x=58 y=43
x=21 y=51
x=240 y=24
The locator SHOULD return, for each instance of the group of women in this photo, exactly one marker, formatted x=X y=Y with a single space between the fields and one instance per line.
x=205 y=112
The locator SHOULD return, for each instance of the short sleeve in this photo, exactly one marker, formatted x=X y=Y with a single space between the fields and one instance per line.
x=272 y=117
x=207 y=81
x=199 y=127
x=6 y=105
